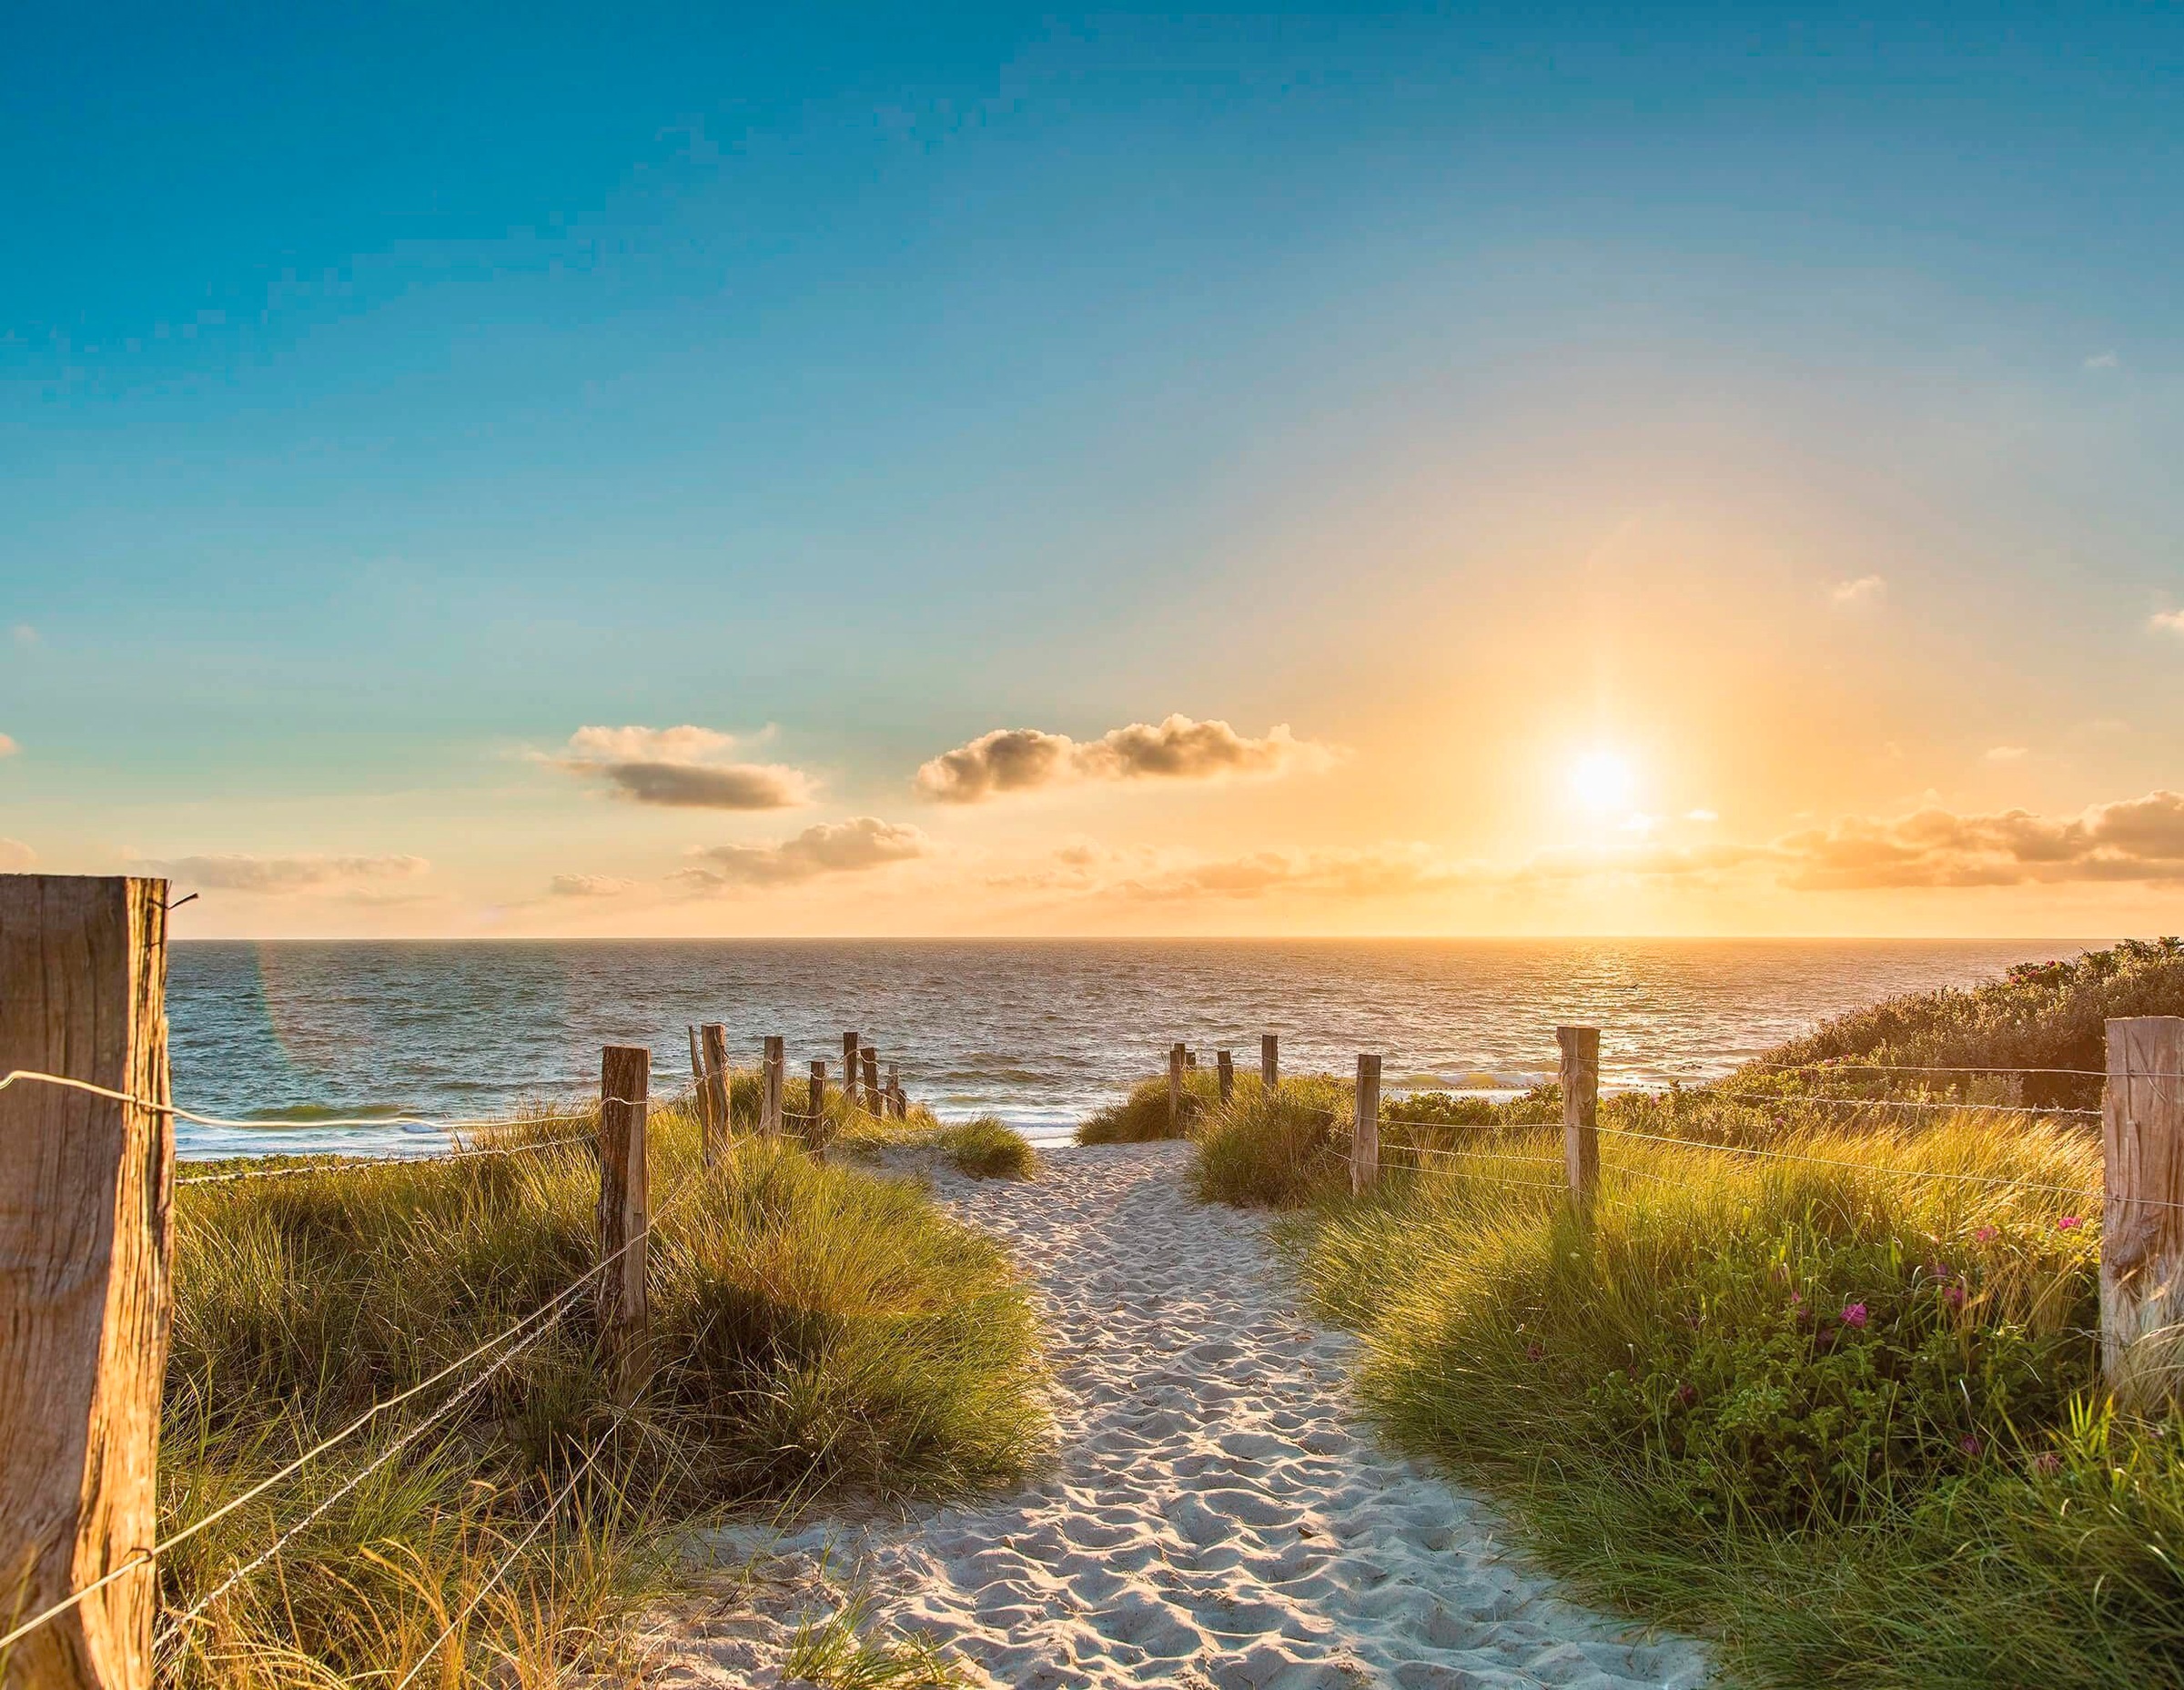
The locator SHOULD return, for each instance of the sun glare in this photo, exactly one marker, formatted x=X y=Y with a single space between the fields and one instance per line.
x=1602 y=782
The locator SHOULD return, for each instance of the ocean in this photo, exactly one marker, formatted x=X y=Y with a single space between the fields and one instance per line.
x=288 y=1035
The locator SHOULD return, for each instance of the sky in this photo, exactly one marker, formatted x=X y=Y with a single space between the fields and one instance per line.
x=1544 y=469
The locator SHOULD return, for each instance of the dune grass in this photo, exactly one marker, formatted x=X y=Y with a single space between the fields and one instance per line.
x=990 y=1149
x=1142 y=1117
x=1843 y=1418
x=816 y=1330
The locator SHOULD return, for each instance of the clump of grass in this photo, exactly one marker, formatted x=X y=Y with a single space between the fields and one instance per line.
x=1844 y=1418
x=1269 y=1148
x=990 y=1149
x=814 y=1328
x=845 y=1651
x=1142 y=1117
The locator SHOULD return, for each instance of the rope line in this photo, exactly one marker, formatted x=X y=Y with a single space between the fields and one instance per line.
x=354 y=1164
x=259 y=1126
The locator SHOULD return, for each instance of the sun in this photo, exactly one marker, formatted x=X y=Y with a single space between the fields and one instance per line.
x=1603 y=781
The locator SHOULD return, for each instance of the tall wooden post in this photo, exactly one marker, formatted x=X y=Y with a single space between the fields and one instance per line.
x=1580 y=1078
x=1190 y=1060
x=1269 y=1062
x=816 y=1102
x=2142 y=1216
x=1225 y=1065
x=849 y=1069
x=1175 y=1090
x=713 y=1117
x=869 y=1055
x=895 y=1091
x=86 y=1184
x=1365 y=1135
x=772 y=1082
x=697 y=1074
x=624 y=1211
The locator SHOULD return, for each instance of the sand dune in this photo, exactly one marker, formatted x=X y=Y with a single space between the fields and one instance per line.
x=1215 y=1517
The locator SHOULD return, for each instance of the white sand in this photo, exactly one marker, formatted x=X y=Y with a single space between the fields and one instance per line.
x=1217 y=1515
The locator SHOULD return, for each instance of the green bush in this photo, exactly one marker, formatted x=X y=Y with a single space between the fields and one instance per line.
x=1143 y=1116
x=1269 y=1150
x=990 y=1149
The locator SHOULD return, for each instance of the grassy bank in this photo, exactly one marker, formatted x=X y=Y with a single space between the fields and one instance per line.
x=816 y=1330
x=1143 y=1117
x=1837 y=1406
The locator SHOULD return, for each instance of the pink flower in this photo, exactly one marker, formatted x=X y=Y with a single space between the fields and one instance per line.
x=1685 y=1396
x=1987 y=1235
x=1796 y=1297
x=1970 y=1444
x=1953 y=1295
x=1854 y=1314
x=2047 y=1463
x=2070 y=1224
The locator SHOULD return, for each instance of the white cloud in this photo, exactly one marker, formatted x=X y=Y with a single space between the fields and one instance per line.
x=2167 y=621
x=849 y=848
x=1178 y=748
x=2135 y=839
x=306 y=873
x=1865 y=590
x=683 y=767
x=587 y=886
x=2006 y=753
x=16 y=857
x=2104 y=361
x=1701 y=815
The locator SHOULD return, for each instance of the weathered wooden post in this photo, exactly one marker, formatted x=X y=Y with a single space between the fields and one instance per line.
x=1580 y=1078
x=1225 y=1065
x=712 y=1119
x=1269 y=1062
x=697 y=1076
x=869 y=1055
x=86 y=1184
x=849 y=1069
x=1190 y=1059
x=816 y=1101
x=1175 y=1090
x=2142 y=1214
x=773 y=1081
x=895 y=1091
x=624 y=1211
x=1365 y=1135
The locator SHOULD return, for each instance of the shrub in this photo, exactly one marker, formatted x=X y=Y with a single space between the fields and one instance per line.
x=990 y=1149
x=1270 y=1149
x=1142 y=1117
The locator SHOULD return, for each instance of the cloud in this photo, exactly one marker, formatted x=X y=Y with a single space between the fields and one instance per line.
x=2006 y=753
x=2135 y=839
x=681 y=767
x=1701 y=815
x=16 y=857
x=2167 y=621
x=1025 y=759
x=309 y=873
x=8 y=746
x=2104 y=361
x=586 y=887
x=828 y=848
x=1865 y=590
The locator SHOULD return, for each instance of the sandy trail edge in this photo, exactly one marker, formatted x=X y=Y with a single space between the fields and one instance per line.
x=1213 y=1518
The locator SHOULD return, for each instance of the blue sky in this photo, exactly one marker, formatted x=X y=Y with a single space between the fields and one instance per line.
x=383 y=398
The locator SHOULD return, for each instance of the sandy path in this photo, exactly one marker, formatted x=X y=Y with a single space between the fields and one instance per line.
x=1213 y=1518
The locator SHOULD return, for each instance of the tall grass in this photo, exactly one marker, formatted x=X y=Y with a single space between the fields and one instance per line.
x=1843 y=1417
x=814 y=1330
x=1142 y=1117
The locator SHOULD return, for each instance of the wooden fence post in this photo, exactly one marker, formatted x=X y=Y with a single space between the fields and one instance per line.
x=895 y=1091
x=869 y=1055
x=773 y=1083
x=1580 y=1079
x=697 y=1076
x=849 y=1069
x=1225 y=1064
x=1365 y=1135
x=86 y=1184
x=624 y=1321
x=815 y=1103
x=1175 y=1090
x=1190 y=1059
x=2142 y=1215
x=712 y=1118
x=1269 y=1062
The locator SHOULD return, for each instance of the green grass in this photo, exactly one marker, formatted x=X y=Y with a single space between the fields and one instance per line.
x=816 y=1330
x=1846 y=1421
x=1142 y=1117
x=990 y=1149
